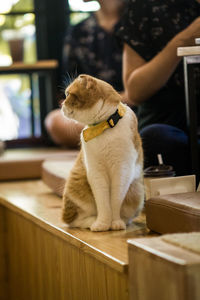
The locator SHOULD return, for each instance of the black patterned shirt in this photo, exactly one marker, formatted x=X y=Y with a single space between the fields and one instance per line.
x=147 y=27
x=89 y=49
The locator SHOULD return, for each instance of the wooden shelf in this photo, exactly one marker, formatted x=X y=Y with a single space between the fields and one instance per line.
x=188 y=51
x=23 y=67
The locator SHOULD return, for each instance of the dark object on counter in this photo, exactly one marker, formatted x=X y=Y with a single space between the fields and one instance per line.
x=159 y=171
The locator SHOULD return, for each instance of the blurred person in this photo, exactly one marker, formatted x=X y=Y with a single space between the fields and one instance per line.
x=90 y=48
x=152 y=30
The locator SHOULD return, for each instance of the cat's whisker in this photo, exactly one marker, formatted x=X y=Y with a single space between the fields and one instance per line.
x=61 y=88
x=67 y=80
x=75 y=74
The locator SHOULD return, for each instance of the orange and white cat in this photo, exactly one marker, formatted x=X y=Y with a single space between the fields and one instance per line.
x=105 y=187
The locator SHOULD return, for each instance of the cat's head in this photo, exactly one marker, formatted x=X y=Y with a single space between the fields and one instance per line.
x=90 y=100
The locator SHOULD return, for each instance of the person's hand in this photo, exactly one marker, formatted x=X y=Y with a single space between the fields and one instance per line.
x=187 y=36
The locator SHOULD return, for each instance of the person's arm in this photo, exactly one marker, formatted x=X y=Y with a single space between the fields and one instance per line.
x=143 y=79
x=63 y=131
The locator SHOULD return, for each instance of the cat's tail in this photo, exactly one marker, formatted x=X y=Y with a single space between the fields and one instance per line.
x=69 y=210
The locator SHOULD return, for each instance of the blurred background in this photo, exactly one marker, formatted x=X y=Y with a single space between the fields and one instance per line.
x=31 y=30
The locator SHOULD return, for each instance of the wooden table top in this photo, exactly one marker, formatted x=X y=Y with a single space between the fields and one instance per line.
x=36 y=202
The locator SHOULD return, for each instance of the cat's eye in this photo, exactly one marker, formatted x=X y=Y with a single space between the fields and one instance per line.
x=66 y=94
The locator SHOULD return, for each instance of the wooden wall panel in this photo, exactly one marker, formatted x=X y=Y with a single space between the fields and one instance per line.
x=43 y=266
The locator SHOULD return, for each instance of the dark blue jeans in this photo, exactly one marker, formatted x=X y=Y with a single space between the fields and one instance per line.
x=171 y=143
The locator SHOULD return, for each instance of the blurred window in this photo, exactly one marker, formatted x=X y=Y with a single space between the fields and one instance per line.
x=20 y=95
x=17 y=43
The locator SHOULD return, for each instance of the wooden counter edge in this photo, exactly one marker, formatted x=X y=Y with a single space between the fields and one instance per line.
x=157 y=247
x=86 y=248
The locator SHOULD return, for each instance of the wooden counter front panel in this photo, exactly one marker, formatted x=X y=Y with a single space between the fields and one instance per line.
x=153 y=278
x=44 y=266
x=160 y=270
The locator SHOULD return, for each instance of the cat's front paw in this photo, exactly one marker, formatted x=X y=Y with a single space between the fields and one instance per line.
x=118 y=225
x=100 y=226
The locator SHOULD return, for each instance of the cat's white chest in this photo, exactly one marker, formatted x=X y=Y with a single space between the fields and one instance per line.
x=114 y=147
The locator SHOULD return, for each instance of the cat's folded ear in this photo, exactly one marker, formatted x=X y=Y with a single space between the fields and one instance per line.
x=88 y=81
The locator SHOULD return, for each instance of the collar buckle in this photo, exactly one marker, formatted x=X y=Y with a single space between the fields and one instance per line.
x=113 y=119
